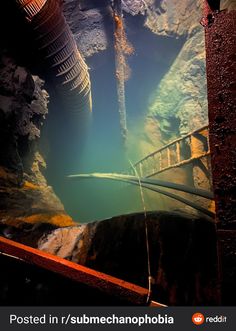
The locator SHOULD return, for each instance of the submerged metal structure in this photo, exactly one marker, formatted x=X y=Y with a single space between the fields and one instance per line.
x=56 y=48
x=171 y=156
x=58 y=274
x=122 y=49
x=152 y=184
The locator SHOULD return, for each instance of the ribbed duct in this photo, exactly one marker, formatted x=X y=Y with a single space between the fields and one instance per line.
x=57 y=49
x=31 y=7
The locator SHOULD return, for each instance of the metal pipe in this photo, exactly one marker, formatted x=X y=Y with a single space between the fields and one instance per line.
x=176 y=197
x=135 y=181
x=156 y=182
x=122 y=49
x=56 y=48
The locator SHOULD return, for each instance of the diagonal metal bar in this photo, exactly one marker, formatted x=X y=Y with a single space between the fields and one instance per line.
x=107 y=284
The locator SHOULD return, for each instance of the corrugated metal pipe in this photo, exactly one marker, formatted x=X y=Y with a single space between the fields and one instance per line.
x=57 y=49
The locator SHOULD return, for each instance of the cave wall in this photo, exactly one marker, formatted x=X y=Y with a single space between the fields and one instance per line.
x=91 y=24
x=228 y=4
x=178 y=105
x=24 y=193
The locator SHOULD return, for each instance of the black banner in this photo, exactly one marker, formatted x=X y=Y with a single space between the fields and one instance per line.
x=117 y=318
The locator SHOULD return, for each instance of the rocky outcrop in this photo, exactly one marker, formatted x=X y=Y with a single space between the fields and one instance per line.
x=88 y=25
x=173 y=18
x=24 y=193
x=180 y=101
x=228 y=4
x=29 y=200
x=23 y=107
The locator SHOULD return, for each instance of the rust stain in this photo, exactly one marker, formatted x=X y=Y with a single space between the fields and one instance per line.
x=31 y=186
x=221 y=73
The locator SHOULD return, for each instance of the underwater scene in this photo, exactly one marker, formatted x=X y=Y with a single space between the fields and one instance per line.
x=146 y=61
x=105 y=159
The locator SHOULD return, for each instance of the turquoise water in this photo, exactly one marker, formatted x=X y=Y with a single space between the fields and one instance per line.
x=101 y=149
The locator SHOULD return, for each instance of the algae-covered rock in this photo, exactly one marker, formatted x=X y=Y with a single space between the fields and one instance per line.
x=88 y=24
x=228 y=4
x=173 y=18
x=24 y=193
x=181 y=95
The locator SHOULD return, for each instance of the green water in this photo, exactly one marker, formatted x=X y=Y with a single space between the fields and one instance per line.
x=100 y=148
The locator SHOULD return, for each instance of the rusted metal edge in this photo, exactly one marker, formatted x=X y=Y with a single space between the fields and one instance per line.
x=205 y=127
x=156 y=304
x=180 y=164
x=105 y=283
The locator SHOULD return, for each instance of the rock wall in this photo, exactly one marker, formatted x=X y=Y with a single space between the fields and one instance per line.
x=179 y=102
x=173 y=18
x=228 y=4
x=88 y=24
x=24 y=193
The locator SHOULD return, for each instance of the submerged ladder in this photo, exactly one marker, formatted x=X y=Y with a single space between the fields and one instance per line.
x=182 y=151
x=177 y=153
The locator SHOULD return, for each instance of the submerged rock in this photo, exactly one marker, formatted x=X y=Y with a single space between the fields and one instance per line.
x=23 y=107
x=63 y=242
x=173 y=18
x=134 y=7
x=178 y=104
x=24 y=193
x=228 y=4
x=182 y=252
x=183 y=255
x=181 y=97
x=88 y=25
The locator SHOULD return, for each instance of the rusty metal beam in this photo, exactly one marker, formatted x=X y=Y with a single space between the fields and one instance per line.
x=110 y=285
x=220 y=35
x=221 y=73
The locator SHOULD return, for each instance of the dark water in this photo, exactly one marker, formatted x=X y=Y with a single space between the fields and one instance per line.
x=101 y=149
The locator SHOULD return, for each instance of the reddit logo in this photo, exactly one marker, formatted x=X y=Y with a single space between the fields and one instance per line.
x=198 y=318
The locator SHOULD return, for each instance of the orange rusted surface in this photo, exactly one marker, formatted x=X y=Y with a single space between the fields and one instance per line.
x=118 y=21
x=199 y=147
x=105 y=283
